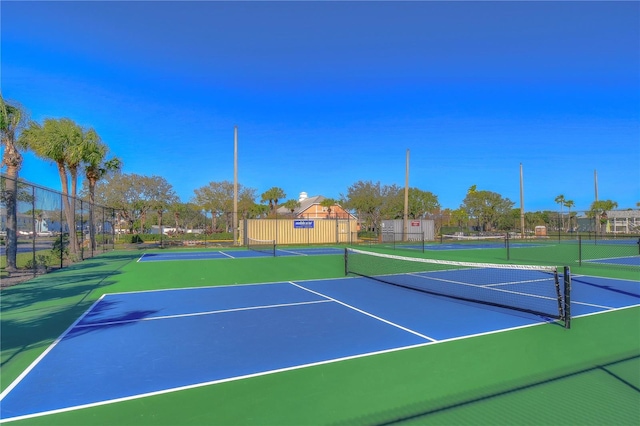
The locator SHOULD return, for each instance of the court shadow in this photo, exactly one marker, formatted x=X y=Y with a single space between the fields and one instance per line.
x=584 y=280
x=505 y=404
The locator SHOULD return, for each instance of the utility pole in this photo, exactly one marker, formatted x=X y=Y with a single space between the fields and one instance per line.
x=235 y=186
x=406 y=201
x=521 y=203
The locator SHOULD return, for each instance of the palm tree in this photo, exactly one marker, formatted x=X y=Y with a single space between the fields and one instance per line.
x=568 y=204
x=560 y=200
x=96 y=167
x=52 y=141
x=291 y=205
x=272 y=195
x=328 y=203
x=599 y=211
x=12 y=120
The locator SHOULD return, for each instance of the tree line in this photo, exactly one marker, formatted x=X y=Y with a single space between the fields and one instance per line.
x=142 y=201
x=73 y=149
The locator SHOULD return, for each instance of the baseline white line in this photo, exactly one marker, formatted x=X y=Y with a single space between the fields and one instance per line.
x=46 y=351
x=601 y=259
x=293 y=252
x=226 y=254
x=195 y=314
x=263 y=373
x=366 y=313
x=226 y=286
x=184 y=257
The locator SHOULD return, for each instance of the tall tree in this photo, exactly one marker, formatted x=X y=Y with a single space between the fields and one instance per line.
x=12 y=120
x=246 y=200
x=461 y=217
x=366 y=199
x=560 y=200
x=569 y=204
x=291 y=205
x=486 y=207
x=96 y=166
x=160 y=195
x=217 y=197
x=272 y=196
x=422 y=203
x=62 y=142
x=134 y=196
x=599 y=210
x=392 y=198
x=328 y=203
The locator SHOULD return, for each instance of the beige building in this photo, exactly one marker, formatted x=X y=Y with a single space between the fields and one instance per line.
x=311 y=208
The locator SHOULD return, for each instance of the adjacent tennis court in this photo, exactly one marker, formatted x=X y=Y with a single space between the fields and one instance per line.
x=238 y=254
x=141 y=344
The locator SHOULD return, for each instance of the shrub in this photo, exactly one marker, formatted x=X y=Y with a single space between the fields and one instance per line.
x=42 y=261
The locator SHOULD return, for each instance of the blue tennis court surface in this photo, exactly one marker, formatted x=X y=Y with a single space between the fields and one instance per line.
x=236 y=254
x=131 y=345
x=624 y=260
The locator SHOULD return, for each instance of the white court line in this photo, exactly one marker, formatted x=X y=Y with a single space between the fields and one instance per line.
x=226 y=254
x=195 y=314
x=262 y=373
x=292 y=252
x=486 y=287
x=46 y=351
x=172 y=256
x=366 y=313
x=269 y=372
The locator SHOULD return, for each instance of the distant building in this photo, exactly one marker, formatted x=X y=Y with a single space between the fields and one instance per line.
x=616 y=222
x=24 y=221
x=310 y=208
x=623 y=221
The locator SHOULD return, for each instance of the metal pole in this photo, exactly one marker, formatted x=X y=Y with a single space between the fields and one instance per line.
x=235 y=185
x=33 y=229
x=580 y=250
x=406 y=199
x=521 y=203
x=61 y=232
x=81 y=230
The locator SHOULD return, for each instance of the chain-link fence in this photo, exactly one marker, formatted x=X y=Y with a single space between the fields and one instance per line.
x=42 y=229
x=589 y=249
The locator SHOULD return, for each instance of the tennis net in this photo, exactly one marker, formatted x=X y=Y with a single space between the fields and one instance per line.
x=536 y=290
x=401 y=240
x=262 y=246
x=493 y=240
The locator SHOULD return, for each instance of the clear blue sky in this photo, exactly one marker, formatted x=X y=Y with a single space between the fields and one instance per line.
x=325 y=94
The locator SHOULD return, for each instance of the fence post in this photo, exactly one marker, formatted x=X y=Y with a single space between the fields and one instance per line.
x=61 y=232
x=81 y=229
x=508 y=246
x=33 y=229
x=580 y=250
